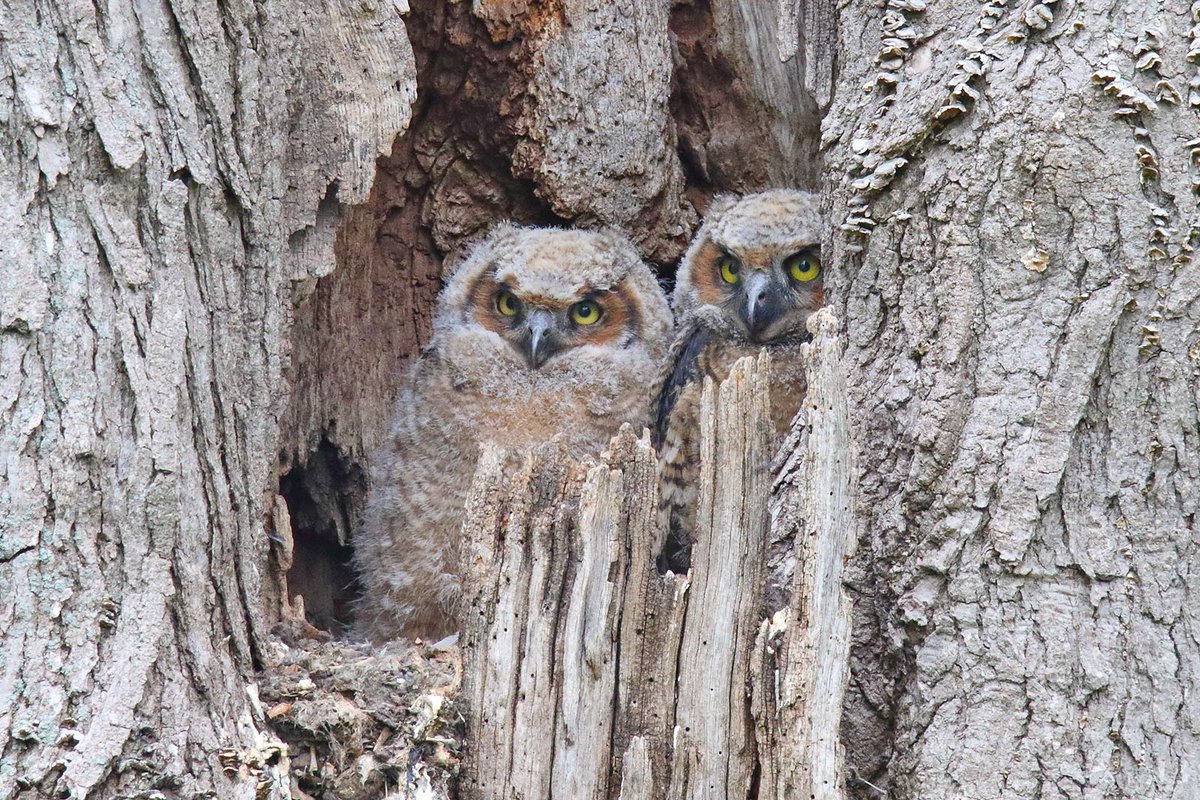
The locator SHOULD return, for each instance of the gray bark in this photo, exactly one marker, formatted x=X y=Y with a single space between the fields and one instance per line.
x=168 y=173
x=1022 y=327
x=1013 y=224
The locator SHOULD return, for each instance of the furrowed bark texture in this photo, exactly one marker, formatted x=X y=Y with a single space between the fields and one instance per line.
x=168 y=173
x=589 y=675
x=596 y=134
x=1017 y=190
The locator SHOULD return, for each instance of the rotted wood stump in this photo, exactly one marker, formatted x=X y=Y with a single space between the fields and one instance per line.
x=589 y=676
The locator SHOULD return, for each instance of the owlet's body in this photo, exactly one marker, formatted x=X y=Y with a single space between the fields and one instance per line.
x=750 y=279
x=539 y=333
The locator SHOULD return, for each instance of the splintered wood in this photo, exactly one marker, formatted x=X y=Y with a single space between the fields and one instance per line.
x=714 y=752
x=802 y=654
x=588 y=676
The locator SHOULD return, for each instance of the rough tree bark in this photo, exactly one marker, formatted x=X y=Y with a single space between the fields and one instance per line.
x=1016 y=188
x=1012 y=188
x=168 y=171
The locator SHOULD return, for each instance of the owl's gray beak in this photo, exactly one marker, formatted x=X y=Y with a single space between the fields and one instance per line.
x=760 y=306
x=539 y=342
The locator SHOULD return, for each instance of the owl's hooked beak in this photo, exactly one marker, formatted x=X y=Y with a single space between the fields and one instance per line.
x=539 y=341
x=760 y=306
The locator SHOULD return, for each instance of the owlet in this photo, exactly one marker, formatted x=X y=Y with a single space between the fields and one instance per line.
x=538 y=333
x=750 y=279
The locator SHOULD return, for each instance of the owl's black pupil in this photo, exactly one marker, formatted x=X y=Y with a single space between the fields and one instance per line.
x=585 y=309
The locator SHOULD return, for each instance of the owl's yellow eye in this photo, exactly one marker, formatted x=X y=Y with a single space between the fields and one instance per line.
x=730 y=269
x=586 y=312
x=507 y=303
x=803 y=267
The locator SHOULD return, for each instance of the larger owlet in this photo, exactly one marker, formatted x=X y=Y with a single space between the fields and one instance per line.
x=539 y=333
x=749 y=280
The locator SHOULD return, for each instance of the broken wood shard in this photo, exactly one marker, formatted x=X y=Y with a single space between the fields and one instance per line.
x=715 y=752
x=804 y=652
x=589 y=675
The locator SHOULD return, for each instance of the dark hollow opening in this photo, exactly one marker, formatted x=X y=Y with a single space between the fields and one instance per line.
x=324 y=496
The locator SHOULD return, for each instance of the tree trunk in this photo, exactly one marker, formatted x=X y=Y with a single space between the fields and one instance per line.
x=1014 y=213
x=169 y=173
x=207 y=297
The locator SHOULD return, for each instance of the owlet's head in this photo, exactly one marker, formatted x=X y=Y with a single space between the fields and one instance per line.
x=549 y=292
x=753 y=272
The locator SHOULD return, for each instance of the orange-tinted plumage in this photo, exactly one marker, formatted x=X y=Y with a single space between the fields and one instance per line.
x=754 y=240
x=516 y=372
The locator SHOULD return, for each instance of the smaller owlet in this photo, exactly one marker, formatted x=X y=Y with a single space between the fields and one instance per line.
x=750 y=279
x=539 y=333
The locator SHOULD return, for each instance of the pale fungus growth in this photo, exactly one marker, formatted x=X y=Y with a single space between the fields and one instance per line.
x=896 y=38
x=1161 y=234
x=1148 y=159
x=1151 y=337
x=991 y=14
x=1039 y=17
x=1166 y=93
x=1035 y=259
x=1193 y=57
x=1150 y=62
x=1132 y=99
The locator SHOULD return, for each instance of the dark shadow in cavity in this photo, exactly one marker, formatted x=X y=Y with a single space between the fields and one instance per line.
x=324 y=497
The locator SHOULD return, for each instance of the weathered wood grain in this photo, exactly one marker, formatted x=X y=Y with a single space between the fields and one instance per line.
x=589 y=675
x=715 y=750
x=803 y=661
x=549 y=553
